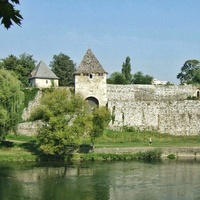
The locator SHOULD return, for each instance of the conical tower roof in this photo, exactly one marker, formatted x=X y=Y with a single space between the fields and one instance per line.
x=90 y=64
x=42 y=71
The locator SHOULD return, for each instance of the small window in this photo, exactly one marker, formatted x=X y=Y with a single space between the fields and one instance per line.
x=198 y=94
x=91 y=76
x=46 y=81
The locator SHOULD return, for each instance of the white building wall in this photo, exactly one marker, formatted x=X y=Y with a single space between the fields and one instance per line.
x=43 y=83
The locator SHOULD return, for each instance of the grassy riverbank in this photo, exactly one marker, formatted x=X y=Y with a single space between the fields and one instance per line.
x=18 y=148
x=22 y=148
x=132 y=138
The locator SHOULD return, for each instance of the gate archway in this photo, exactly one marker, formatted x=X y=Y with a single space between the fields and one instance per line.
x=92 y=102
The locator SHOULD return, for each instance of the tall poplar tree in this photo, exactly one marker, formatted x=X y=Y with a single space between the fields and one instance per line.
x=126 y=69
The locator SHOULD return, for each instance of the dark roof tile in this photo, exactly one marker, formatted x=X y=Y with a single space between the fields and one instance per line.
x=90 y=64
x=42 y=71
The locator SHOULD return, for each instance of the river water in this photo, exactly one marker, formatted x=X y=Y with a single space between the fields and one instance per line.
x=166 y=180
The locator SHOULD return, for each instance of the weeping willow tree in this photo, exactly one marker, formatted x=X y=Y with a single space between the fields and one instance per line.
x=11 y=101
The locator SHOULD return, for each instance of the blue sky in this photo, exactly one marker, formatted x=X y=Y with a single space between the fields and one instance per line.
x=158 y=35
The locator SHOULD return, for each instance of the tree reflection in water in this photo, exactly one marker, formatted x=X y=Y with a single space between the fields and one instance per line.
x=100 y=180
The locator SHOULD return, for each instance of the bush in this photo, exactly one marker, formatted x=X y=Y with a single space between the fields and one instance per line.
x=192 y=98
x=128 y=129
x=171 y=156
x=149 y=155
x=85 y=148
x=6 y=144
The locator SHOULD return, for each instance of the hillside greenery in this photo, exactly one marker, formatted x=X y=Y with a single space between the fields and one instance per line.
x=23 y=148
x=22 y=66
x=11 y=102
x=65 y=120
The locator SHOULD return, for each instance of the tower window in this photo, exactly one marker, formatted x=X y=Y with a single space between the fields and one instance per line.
x=91 y=76
x=198 y=94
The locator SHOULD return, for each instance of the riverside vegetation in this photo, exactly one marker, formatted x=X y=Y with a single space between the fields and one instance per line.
x=23 y=148
x=67 y=123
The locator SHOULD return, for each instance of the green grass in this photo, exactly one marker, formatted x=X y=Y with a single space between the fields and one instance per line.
x=21 y=138
x=101 y=156
x=16 y=153
x=149 y=155
x=141 y=139
x=22 y=148
x=132 y=138
x=18 y=148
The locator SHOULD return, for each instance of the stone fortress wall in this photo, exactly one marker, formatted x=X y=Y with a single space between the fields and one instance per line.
x=161 y=108
x=145 y=107
x=155 y=107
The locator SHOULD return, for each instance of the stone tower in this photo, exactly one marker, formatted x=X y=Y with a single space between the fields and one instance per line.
x=90 y=80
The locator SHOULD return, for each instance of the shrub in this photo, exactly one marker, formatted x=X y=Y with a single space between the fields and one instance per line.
x=171 y=156
x=149 y=155
x=128 y=129
x=192 y=98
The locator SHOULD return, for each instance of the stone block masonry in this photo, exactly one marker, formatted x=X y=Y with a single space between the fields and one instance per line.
x=164 y=109
x=157 y=108
x=31 y=106
x=150 y=92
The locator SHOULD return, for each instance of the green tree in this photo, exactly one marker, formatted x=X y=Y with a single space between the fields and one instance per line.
x=190 y=72
x=117 y=78
x=64 y=122
x=21 y=66
x=196 y=78
x=64 y=68
x=8 y=13
x=100 y=119
x=126 y=70
x=11 y=102
x=140 y=78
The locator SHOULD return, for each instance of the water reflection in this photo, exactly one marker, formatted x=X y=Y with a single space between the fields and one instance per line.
x=100 y=181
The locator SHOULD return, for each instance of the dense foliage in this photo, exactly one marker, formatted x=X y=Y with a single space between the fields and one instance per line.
x=101 y=118
x=21 y=66
x=66 y=121
x=140 y=78
x=126 y=70
x=8 y=13
x=190 y=72
x=59 y=112
x=29 y=95
x=11 y=101
x=125 y=77
x=64 y=68
x=117 y=78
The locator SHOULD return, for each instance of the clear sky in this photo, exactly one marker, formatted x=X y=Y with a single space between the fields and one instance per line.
x=158 y=35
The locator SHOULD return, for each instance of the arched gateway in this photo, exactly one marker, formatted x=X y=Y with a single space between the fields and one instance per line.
x=90 y=80
x=92 y=102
